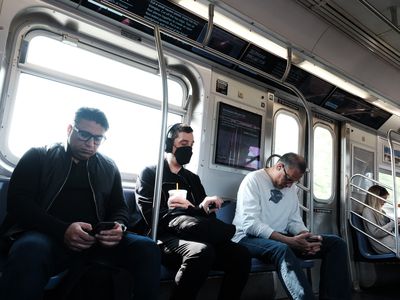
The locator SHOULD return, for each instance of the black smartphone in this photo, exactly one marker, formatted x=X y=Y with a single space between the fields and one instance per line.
x=213 y=205
x=102 y=226
x=313 y=239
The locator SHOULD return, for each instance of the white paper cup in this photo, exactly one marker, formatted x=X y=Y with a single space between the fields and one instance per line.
x=180 y=193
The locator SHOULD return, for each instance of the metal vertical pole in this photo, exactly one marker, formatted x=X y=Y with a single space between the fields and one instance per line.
x=164 y=111
x=395 y=200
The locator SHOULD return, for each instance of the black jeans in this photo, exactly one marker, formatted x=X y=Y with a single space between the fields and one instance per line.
x=194 y=260
x=35 y=257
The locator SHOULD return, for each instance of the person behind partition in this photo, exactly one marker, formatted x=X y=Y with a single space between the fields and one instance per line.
x=269 y=224
x=56 y=196
x=191 y=249
x=379 y=219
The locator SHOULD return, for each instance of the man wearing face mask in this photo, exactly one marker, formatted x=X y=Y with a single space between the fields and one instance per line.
x=192 y=257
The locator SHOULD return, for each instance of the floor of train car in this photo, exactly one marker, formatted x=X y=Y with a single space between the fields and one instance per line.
x=370 y=294
x=258 y=289
x=377 y=294
x=261 y=286
x=382 y=293
x=256 y=292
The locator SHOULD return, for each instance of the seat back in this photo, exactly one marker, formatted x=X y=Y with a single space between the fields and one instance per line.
x=227 y=212
x=136 y=222
x=3 y=197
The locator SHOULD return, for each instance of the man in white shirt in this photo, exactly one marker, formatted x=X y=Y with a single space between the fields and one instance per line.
x=269 y=224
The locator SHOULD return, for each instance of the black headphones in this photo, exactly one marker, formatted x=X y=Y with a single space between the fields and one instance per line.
x=169 y=141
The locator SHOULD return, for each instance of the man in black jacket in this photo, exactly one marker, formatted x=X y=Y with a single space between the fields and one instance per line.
x=186 y=244
x=56 y=197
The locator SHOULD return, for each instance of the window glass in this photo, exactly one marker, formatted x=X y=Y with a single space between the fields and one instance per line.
x=323 y=163
x=386 y=178
x=72 y=60
x=364 y=164
x=42 y=118
x=286 y=135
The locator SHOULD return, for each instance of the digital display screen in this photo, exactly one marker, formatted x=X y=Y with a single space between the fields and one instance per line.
x=357 y=109
x=223 y=42
x=271 y=83
x=160 y=12
x=313 y=88
x=238 y=141
x=264 y=61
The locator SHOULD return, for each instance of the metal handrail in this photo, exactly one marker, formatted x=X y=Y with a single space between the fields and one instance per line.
x=351 y=211
x=368 y=235
x=370 y=207
x=308 y=188
x=393 y=166
x=164 y=111
x=309 y=160
x=210 y=24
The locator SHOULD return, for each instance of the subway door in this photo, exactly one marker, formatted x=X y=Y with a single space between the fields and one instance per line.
x=358 y=157
x=289 y=135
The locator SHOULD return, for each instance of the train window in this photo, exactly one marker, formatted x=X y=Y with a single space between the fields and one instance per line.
x=53 y=79
x=66 y=57
x=385 y=177
x=323 y=163
x=286 y=134
x=364 y=164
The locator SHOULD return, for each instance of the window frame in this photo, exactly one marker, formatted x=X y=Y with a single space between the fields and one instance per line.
x=17 y=54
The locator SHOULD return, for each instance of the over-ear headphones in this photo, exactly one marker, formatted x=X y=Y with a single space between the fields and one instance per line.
x=169 y=140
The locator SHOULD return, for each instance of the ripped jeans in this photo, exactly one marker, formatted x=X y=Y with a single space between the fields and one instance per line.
x=334 y=275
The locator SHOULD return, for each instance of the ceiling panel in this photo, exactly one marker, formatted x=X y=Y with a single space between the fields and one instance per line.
x=372 y=23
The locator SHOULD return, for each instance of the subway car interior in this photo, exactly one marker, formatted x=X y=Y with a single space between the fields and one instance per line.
x=254 y=79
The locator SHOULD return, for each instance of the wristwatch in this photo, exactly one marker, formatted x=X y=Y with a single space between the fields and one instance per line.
x=123 y=226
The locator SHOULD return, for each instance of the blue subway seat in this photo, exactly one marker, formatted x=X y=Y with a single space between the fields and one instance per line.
x=364 y=248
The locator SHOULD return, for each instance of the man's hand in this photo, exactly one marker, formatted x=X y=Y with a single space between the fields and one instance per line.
x=77 y=236
x=178 y=201
x=211 y=204
x=308 y=243
x=110 y=238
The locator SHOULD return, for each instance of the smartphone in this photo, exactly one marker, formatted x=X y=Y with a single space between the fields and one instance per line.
x=102 y=226
x=212 y=205
x=313 y=239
